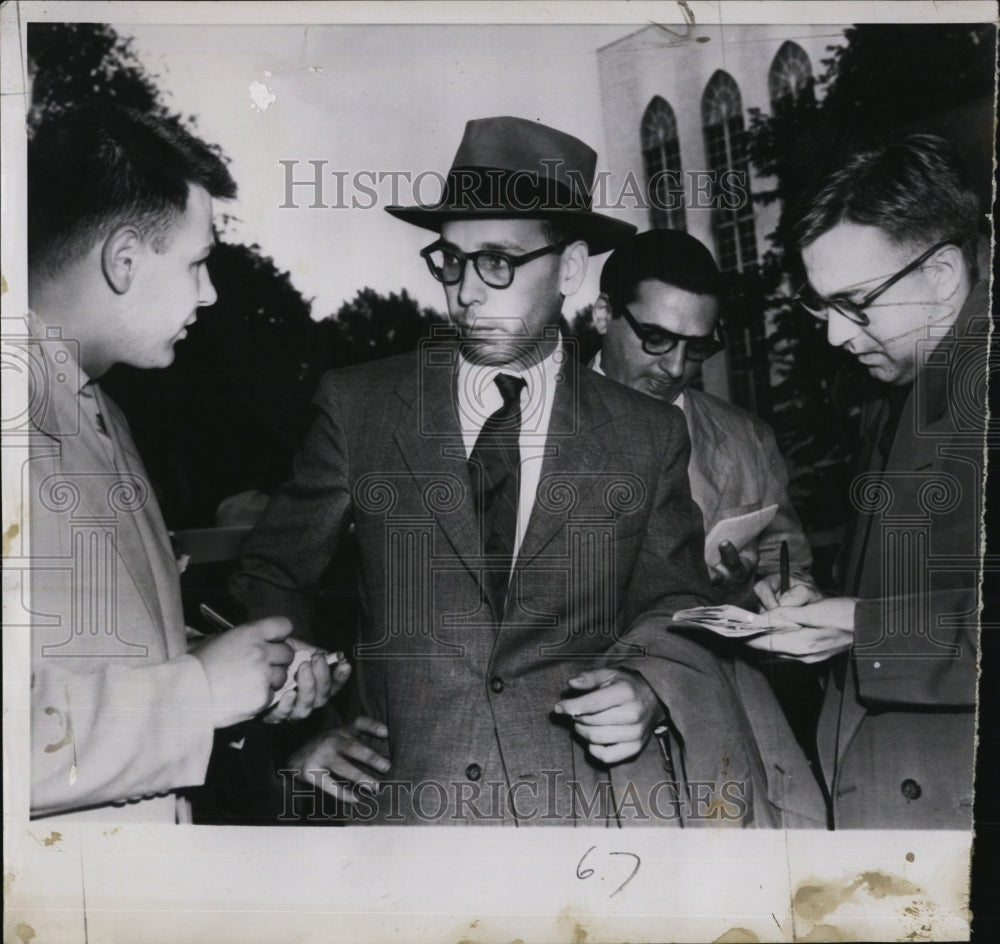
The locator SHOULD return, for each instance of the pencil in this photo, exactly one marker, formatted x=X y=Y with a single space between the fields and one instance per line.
x=783 y=586
x=220 y=622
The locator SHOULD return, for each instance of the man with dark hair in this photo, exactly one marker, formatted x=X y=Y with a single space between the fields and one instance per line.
x=658 y=312
x=97 y=167
x=889 y=248
x=122 y=714
x=525 y=529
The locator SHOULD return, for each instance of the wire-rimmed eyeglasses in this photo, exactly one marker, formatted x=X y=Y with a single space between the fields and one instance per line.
x=819 y=307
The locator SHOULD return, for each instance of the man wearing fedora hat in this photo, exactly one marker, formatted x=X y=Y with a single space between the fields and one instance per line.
x=525 y=530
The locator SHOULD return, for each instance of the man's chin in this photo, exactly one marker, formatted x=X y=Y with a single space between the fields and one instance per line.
x=885 y=371
x=666 y=392
x=502 y=352
x=167 y=358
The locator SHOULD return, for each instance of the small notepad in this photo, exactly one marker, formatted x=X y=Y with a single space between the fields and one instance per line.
x=731 y=621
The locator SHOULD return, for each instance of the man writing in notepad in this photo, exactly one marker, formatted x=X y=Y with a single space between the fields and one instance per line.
x=890 y=248
x=659 y=312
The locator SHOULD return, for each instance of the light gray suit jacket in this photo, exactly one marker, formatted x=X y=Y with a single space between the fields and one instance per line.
x=120 y=715
x=736 y=468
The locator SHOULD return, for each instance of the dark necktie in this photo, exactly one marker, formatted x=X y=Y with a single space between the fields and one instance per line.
x=495 y=465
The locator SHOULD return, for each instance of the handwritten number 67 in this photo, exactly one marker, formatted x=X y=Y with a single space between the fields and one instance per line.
x=582 y=873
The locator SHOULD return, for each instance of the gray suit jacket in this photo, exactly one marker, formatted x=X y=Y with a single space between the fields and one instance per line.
x=612 y=549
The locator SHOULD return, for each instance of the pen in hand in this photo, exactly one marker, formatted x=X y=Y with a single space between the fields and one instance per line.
x=220 y=622
x=784 y=577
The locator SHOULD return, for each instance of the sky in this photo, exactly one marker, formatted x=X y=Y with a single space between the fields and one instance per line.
x=376 y=99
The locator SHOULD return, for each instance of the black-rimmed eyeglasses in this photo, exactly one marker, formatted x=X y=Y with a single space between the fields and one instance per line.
x=495 y=268
x=852 y=310
x=657 y=341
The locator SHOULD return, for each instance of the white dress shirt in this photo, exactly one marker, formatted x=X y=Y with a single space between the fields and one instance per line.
x=479 y=397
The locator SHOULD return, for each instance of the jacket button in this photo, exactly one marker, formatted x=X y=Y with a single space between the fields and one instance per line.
x=473 y=771
x=911 y=789
x=496 y=684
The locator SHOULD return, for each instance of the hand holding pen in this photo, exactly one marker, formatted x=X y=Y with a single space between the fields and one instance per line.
x=778 y=589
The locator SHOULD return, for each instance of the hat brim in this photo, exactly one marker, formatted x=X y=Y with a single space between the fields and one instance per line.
x=601 y=233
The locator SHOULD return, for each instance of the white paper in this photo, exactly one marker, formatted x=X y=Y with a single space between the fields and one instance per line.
x=740 y=530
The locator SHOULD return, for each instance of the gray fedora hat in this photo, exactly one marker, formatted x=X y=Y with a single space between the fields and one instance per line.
x=512 y=167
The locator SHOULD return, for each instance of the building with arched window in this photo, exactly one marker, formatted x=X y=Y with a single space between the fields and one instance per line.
x=676 y=107
x=661 y=161
x=725 y=150
x=791 y=75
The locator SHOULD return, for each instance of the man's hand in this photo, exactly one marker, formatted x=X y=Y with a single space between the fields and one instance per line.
x=734 y=569
x=827 y=629
x=330 y=754
x=616 y=715
x=798 y=593
x=316 y=683
x=245 y=666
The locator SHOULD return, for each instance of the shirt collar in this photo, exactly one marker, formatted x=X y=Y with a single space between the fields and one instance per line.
x=475 y=381
x=59 y=354
x=53 y=364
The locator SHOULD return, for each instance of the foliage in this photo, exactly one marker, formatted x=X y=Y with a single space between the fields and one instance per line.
x=373 y=326
x=583 y=332
x=888 y=76
x=71 y=63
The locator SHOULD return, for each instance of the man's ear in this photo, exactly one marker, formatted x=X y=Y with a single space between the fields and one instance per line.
x=946 y=270
x=602 y=313
x=120 y=256
x=573 y=267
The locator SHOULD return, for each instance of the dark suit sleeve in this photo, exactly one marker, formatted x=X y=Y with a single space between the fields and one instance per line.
x=670 y=572
x=694 y=683
x=291 y=547
x=917 y=673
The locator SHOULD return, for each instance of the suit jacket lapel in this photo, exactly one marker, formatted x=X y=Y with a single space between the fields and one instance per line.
x=860 y=522
x=430 y=443
x=577 y=451
x=153 y=568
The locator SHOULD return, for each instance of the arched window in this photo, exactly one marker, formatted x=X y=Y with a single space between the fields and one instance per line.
x=725 y=145
x=791 y=76
x=661 y=159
